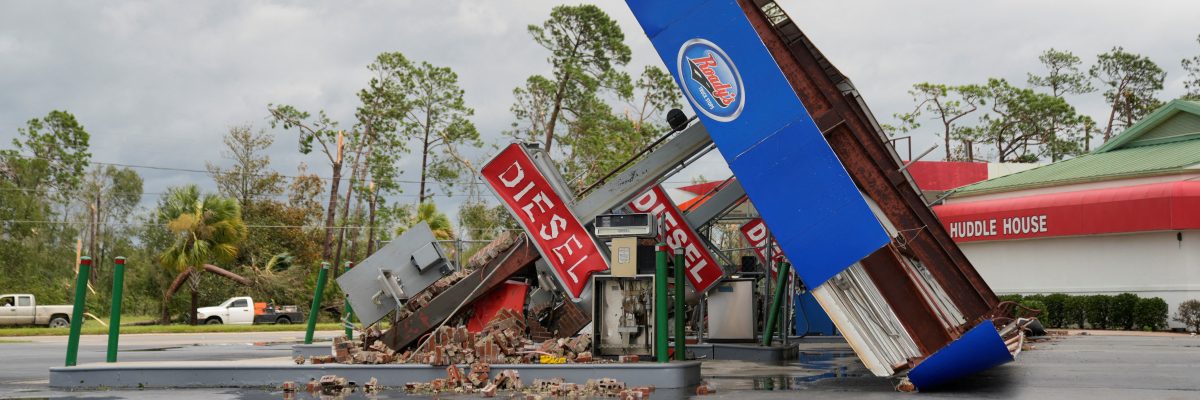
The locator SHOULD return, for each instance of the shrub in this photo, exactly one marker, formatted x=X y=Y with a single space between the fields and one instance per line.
x=1189 y=314
x=1032 y=305
x=1015 y=298
x=1098 y=308
x=1074 y=311
x=1150 y=314
x=1053 y=317
x=1121 y=311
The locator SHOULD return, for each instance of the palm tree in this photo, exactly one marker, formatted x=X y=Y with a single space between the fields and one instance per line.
x=438 y=222
x=205 y=229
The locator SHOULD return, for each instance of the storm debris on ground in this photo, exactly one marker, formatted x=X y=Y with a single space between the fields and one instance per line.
x=509 y=381
x=501 y=341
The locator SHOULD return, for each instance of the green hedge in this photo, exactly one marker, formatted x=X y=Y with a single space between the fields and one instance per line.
x=1125 y=311
x=1188 y=314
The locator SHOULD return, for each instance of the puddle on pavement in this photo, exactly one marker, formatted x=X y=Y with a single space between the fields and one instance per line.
x=808 y=367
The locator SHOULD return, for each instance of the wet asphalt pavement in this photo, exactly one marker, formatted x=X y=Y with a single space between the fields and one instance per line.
x=1074 y=367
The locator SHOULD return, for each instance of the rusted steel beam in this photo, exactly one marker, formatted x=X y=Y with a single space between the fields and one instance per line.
x=916 y=316
x=507 y=263
x=854 y=137
x=874 y=182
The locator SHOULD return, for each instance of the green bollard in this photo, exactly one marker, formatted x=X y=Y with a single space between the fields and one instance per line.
x=81 y=280
x=680 y=339
x=316 y=304
x=660 y=302
x=349 y=322
x=781 y=279
x=114 y=316
x=349 y=312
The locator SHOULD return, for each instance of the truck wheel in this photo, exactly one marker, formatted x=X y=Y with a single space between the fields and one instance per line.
x=59 y=322
x=283 y=320
x=213 y=321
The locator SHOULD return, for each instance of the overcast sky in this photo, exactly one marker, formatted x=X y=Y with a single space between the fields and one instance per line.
x=159 y=83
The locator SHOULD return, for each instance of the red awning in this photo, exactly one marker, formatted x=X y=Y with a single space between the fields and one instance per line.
x=1139 y=208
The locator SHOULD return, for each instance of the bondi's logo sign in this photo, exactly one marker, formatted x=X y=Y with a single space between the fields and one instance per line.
x=710 y=80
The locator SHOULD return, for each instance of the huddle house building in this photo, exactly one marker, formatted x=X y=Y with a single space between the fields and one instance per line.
x=1123 y=218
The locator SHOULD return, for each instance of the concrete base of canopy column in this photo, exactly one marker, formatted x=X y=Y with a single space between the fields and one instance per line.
x=273 y=372
x=744 y=351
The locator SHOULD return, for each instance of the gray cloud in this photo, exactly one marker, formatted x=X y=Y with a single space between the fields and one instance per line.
x=159 y=82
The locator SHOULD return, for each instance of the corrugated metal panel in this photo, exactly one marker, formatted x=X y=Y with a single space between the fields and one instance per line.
x=1180 y=124
x=1122 y=163
x=1149 y=124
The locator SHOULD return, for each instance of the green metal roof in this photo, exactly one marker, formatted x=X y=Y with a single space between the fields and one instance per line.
x=1163 y=122
x=1166 y=141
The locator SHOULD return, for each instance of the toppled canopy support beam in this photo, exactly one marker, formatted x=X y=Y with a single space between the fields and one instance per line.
x=497 y=270
x=645 y=173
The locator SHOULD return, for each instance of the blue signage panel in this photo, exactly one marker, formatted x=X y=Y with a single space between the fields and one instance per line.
x=769 y=140
x=978 y=349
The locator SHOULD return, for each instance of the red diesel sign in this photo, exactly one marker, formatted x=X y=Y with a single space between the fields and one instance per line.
x=755 y=232
x=703 y=270
x=560 y=238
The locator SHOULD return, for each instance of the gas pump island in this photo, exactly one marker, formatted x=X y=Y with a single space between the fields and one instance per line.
x=838 y=212
x=812 y=160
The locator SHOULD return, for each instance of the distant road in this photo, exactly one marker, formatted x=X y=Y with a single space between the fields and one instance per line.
x=166 y=339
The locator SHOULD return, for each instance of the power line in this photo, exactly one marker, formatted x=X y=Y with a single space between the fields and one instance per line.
x=205 y=171
x=322 y=196
x=142 y=224
x=191 y=170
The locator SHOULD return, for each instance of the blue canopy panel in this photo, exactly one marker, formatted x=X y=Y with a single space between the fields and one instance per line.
x=769 y=140
x=979 y=349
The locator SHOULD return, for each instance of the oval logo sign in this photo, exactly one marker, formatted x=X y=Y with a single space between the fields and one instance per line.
x=711 y=80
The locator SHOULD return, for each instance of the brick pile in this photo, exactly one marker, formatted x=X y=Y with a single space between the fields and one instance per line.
x=477 y=382
x=498 y=245
x=501 y=341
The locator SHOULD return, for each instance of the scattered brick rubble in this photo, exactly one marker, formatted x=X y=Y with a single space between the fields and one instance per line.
x=330 y=385
x=502 y=341
x=334 y=385
x=509 y=380
x=492 y=250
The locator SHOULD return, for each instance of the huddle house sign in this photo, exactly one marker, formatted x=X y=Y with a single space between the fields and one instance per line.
x=557 y=233
x=1014 y=227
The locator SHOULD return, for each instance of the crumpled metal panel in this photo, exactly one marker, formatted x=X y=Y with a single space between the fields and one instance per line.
x=977 y=350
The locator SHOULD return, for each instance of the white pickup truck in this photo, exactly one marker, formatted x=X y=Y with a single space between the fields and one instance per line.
x=244 y=311
x=22 y=309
